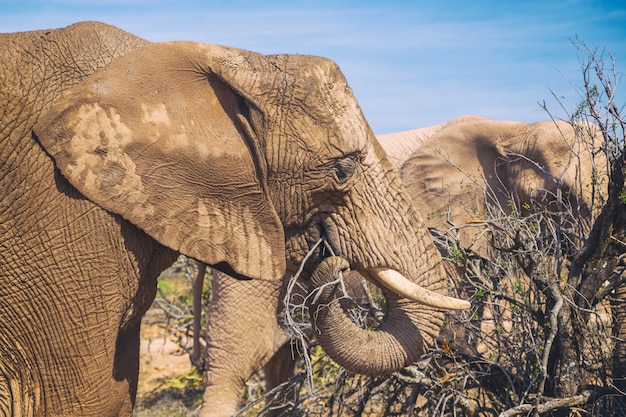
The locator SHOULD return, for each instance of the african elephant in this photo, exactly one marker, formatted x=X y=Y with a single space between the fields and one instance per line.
x=455 y=175
x=505 y=159
x=119 y=154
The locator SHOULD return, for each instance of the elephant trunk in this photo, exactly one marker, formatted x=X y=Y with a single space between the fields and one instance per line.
x=395 y=343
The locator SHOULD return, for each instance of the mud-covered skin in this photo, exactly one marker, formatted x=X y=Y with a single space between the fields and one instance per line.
x=70 y=328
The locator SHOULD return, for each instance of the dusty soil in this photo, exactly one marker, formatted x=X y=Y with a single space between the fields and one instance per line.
x=163 y=389
x=160 y=358
x=167 y=386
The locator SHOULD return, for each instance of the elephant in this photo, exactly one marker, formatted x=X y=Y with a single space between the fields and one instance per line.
x=400 y=145
x=458 y=174
x=471 y=173
x=119 y=154
x=507 y=160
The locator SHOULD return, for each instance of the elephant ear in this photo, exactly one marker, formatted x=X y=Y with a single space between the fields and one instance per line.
x=163 y=139
x=451 y=175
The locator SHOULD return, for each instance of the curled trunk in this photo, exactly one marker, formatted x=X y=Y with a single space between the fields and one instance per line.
x=395 y=343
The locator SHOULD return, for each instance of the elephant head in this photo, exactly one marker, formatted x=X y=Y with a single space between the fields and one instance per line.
x=455 y=175
x=245 y=162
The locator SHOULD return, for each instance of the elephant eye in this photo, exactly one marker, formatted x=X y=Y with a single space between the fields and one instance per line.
x=344 y=168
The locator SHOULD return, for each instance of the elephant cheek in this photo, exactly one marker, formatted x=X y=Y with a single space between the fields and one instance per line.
x=300 y=246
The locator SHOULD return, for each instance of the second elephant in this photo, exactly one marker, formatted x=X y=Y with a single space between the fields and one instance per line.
x=469 y=168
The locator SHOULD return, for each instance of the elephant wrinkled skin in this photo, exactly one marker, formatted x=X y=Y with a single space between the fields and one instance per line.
x=117 y=154
x=510 y=163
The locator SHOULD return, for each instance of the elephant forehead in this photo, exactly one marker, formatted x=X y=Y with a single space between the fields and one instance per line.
x=348 y=136
x=346 y=124
x=340 y=133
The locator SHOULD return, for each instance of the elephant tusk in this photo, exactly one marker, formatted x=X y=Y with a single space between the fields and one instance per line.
x=396 y=282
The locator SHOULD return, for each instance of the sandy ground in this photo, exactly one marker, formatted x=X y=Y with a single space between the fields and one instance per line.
x=159 y=392
x=160 y=359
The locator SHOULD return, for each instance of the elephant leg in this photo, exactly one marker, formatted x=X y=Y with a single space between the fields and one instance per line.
x=126 y=366
x=278 y=370
x=243 y=334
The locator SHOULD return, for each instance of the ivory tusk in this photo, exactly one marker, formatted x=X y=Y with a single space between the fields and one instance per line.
x=396 y=282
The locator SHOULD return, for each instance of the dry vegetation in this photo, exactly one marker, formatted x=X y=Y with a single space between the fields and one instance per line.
x=169 y=385
x=544 y=329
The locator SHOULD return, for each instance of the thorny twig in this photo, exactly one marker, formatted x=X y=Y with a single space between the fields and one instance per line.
x=288 y=316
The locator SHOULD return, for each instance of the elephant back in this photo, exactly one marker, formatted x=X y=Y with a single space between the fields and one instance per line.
x=39 y=65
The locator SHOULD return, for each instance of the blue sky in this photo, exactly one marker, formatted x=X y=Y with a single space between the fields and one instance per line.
x=410 y=63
